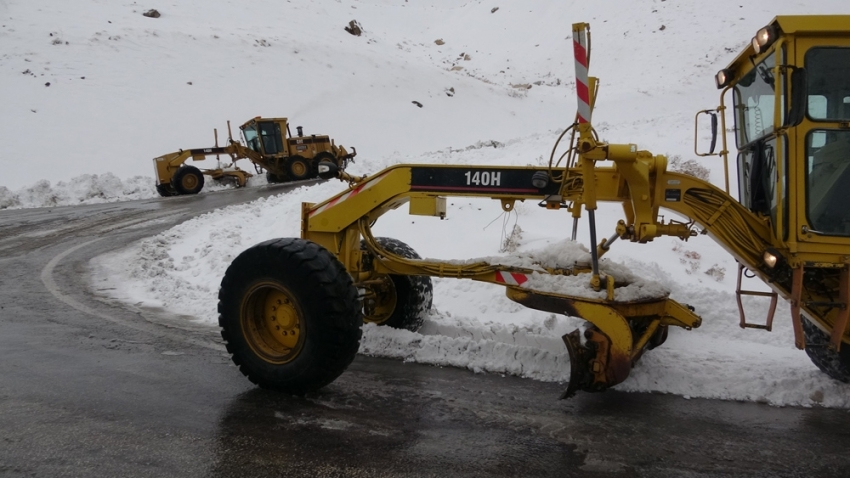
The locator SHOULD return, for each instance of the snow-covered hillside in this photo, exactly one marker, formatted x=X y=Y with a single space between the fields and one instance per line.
x=124 y=88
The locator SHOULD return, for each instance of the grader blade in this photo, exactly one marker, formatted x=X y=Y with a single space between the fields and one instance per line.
x=618 y=334
x=597 y=365
x=579 y=364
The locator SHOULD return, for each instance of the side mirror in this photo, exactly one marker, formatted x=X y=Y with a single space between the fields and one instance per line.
x=328 y=170
x=799 y=97
x=713 y=133
x=713 y=144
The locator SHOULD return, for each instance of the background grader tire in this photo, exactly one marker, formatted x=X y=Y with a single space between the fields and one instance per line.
x=834 y=364
x=299 y=168
x=188 y=180
x=275 y=178
x=402 y=300
x=165 y=190
x=289 y=315
x=324 y=156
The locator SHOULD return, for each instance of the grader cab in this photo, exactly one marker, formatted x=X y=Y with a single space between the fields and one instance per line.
x=268 y=144
x=291 y=309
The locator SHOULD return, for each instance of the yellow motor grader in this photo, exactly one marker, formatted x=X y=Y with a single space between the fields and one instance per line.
x=269 y=144
x=291 y=309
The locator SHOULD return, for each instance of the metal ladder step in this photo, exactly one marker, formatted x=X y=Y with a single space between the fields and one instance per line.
x=768 y=325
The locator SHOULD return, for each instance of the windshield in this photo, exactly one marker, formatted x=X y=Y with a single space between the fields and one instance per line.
x=754 y=102
x=828 y=72
x=250 y=134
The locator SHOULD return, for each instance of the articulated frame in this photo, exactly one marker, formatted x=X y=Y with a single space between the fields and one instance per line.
x=621 y=330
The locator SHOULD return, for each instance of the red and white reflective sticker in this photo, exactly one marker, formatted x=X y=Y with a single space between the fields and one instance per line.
x=347 y=195
x=511 y=278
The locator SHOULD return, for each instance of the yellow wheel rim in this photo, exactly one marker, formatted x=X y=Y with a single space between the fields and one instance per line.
x=299 y=168
x=272 y=322
x=380 y=303
x=189 y=181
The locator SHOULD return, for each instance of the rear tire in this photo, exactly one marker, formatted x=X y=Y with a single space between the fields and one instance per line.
x=834 y=364
x=325 y=156
x=187 y=180
x=274 y=178
x=299 y=168
x=400 y=301
x=289 y=315
x=165 y=190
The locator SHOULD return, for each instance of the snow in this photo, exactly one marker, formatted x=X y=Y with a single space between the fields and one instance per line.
x=125 y=88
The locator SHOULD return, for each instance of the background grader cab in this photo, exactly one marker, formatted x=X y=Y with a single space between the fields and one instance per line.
x=291 y=309
x=269 y=144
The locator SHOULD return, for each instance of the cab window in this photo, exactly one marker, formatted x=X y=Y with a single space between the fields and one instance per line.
x=827 y=180
x=828 y=74
x=250 y=134
x=271 y=137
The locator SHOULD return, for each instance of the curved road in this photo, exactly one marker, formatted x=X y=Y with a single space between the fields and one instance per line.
x=93 y=388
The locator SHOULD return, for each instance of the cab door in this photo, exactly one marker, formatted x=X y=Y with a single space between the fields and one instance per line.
x=271 y=138
x=823 y=143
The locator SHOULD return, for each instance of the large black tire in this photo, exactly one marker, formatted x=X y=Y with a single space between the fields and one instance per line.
x=289 y=315
x=299 y=168
x=324 y=156
x=400 y=301
x=165 y=190
x=275 y=178
x=834 y=364
x=187 y=180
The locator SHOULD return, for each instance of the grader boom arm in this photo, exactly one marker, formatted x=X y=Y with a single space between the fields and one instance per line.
x=621 y=329
x=168 y=164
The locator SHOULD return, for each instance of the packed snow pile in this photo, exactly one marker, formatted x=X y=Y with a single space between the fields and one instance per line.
x=84 y=189
x=95 y=189
x=569 y=255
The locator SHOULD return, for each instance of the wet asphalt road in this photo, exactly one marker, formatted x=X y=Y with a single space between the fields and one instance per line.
x=93 y=388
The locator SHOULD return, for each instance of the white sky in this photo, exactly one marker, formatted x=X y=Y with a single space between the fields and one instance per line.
x=119 y=95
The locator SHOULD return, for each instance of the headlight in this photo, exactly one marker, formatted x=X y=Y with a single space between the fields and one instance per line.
x=771 y=257
x=723 y=78
x=763 y=39
x=540 y=179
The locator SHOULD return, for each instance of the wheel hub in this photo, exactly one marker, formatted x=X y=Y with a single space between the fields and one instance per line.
x=272 y=322
x=380 y=303
x=281 y=319
x=189 y=181
x=299 y=168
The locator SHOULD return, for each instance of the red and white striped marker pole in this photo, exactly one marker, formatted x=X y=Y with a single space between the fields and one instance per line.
x=582 y=81
x=580 y=49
